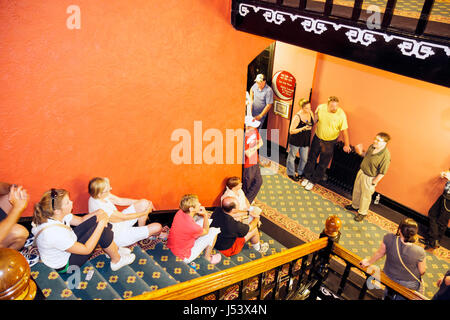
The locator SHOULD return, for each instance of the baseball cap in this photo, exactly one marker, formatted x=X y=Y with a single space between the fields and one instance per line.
x=260 y=77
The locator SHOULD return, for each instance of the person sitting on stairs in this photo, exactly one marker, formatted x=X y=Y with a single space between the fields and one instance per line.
x=188 y=238
x=61 y=246
x=125 y=233
x=244 y=209
x=235 y=234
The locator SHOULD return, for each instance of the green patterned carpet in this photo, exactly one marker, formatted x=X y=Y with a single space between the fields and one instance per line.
x=303 y=213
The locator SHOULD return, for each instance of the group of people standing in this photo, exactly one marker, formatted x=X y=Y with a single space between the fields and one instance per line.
x=315 y=154
x=316 y=151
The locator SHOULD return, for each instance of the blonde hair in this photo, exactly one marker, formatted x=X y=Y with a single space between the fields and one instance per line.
x=44 y=209
x=188 y=201
x=97 y=185
x=303 y=102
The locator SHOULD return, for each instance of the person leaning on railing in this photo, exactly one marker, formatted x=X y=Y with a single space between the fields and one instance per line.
x=405 y=261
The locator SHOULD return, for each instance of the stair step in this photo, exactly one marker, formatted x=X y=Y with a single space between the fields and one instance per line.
x=225 y=263
x=150 y=271
x=204 y=267
x=89 y=289
x=170 y=263
x=125 y=281
x=50 y=283
x=251 y=253
x=274 y=246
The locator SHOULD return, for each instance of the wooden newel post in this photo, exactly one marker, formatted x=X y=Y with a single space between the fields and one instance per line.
x=15 y=276
x=322 y=259
x=332 y=226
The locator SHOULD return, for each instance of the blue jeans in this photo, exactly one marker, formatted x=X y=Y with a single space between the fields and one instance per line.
x=290 y=162
x=413 y=285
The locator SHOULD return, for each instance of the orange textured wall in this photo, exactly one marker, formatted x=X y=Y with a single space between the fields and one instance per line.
x=415 y=113
x=300 y=63
x=103 y=100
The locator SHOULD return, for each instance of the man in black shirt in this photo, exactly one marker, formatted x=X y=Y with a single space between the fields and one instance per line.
x=235 y=234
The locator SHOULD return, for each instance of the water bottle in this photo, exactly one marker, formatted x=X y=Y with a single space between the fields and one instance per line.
x=377 y=199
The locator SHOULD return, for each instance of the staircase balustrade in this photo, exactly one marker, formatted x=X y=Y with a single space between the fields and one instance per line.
x=296 y=273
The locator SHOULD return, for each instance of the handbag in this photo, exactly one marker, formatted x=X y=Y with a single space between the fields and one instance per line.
x=421 y=285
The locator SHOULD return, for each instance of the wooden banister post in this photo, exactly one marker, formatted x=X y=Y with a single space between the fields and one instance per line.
x=320 y=269
x=15 y=277
x=332 y=226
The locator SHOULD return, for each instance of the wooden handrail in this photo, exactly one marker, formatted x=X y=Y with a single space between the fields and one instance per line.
x=200 y=286
x=352 y=258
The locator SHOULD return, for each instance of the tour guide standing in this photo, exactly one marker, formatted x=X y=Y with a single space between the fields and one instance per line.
x=331 y=120
x=373 y=168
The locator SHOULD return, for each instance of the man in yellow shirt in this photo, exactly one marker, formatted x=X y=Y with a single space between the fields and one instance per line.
x=331 y=121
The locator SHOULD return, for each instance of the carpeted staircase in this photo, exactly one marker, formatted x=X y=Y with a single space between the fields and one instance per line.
x=155 y=267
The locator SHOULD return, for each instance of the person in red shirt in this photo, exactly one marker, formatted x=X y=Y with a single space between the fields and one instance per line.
x=251 y=180
x=188 y=238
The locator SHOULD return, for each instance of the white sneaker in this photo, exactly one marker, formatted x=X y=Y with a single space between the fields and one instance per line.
x=264 y=247
x=124 y=260
x=122 y=251
x=304 y=182
x=309 y=186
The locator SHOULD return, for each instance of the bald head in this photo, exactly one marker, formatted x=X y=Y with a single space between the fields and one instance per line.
x=228 y=204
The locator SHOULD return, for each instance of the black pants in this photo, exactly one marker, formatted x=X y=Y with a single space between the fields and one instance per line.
x=439 y=217
x=325 y=150
x=84 y=232
x=251 y=182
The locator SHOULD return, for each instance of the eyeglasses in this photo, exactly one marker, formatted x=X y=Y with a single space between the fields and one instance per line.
x=53 y=195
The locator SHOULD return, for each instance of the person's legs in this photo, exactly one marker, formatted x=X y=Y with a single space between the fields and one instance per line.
x=204 y=242
x=84 y=232
x=253 y=182
x=326 y=153
x=438 y=225
x=356 y=194
x=312 y=158
x=367 y=190
x=290 y=161
x=303 y=159
x=140 y=206
x=443 y=222
x=16 y=237
x=252 y=236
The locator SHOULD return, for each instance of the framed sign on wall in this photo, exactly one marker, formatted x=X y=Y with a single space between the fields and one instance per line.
x=281 y=108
